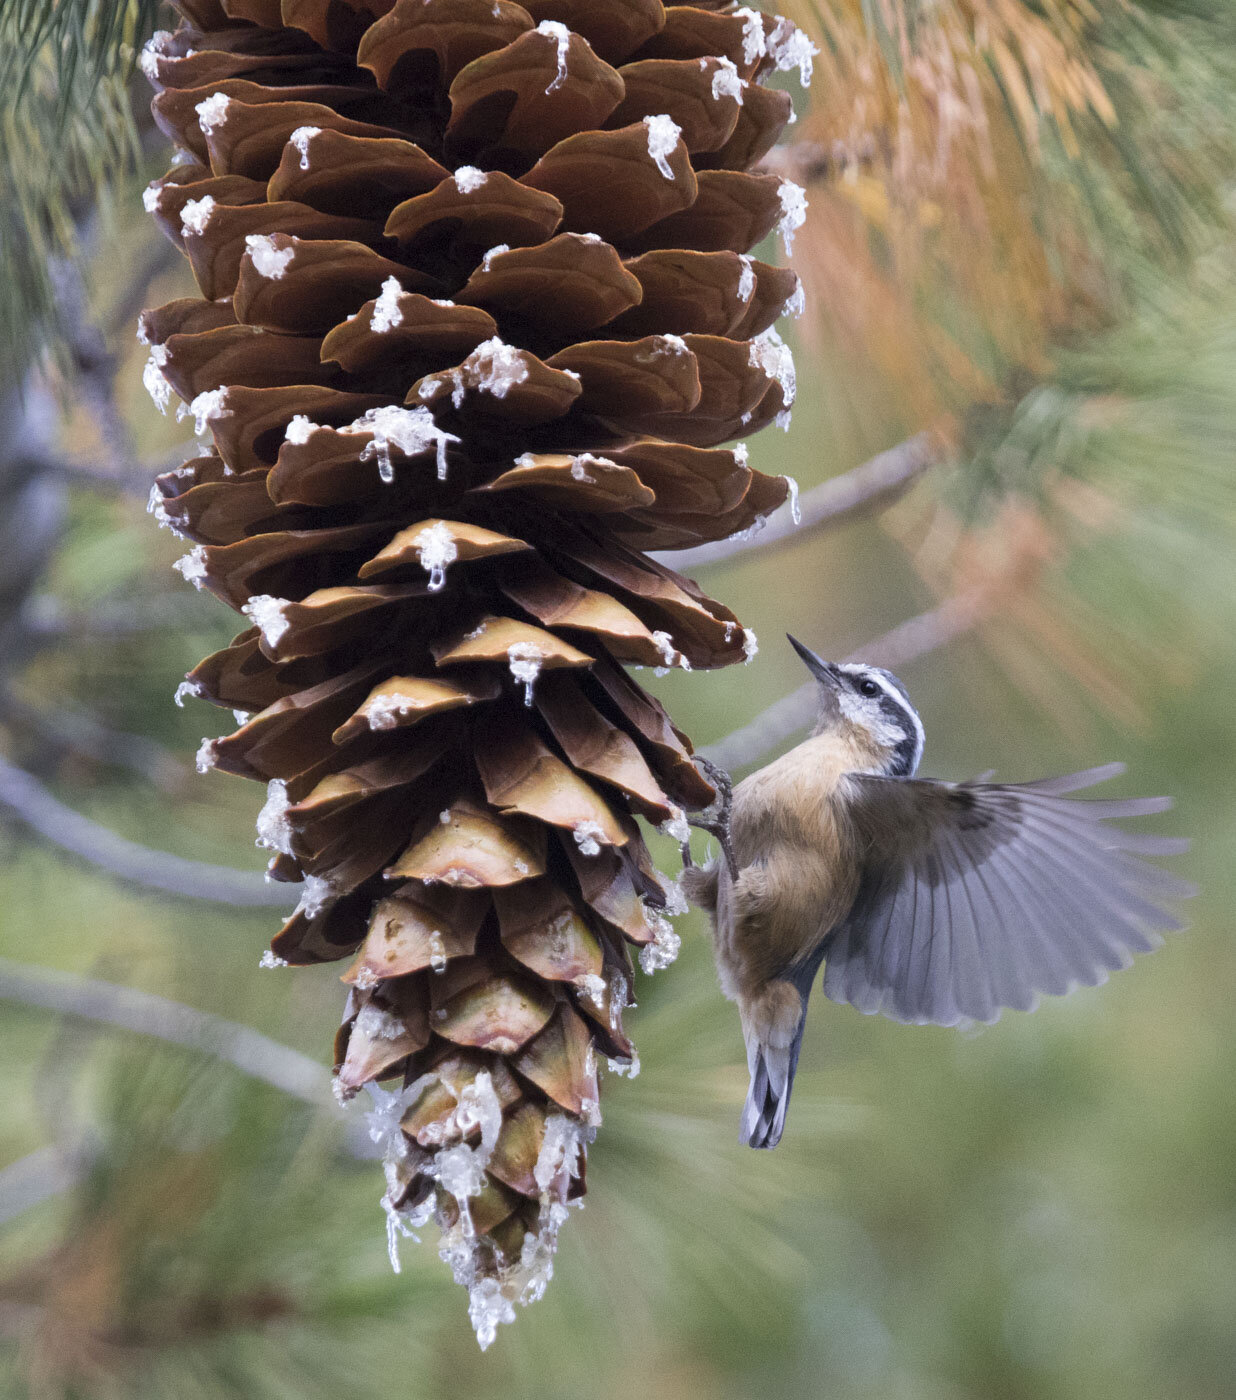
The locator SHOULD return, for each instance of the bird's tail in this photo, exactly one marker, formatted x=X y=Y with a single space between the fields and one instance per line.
x=772 y=1058
x=768 y=1098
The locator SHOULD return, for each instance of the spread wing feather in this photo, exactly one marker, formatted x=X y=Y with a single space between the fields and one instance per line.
x=978 y=896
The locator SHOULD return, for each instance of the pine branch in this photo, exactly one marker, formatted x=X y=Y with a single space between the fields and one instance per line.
x=144 y=1013
x=85 y=40
x=126 y=476
x=83 y=734
x=107 y=476
x=93 y=363
x=28 y=1182
x=68 y=142
x=54 y=1169
x=906 y=642
x=48 y=620
x=866 y=488
x=28 y=800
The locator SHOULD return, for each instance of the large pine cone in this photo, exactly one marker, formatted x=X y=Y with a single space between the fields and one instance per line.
x=476 y=313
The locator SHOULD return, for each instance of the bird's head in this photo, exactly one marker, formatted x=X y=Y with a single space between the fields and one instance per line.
x=872 y=707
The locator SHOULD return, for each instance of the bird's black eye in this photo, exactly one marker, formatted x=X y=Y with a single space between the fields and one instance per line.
x=868 y=687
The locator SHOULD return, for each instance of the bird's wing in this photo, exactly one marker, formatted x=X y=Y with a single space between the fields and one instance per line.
x=978 y=896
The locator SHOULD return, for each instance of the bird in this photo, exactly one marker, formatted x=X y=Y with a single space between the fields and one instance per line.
x=931 y=902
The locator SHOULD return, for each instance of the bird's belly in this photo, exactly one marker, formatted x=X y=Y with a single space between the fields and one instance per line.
x=781 y=908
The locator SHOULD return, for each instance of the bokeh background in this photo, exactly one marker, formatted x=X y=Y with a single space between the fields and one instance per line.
x=1020 y=244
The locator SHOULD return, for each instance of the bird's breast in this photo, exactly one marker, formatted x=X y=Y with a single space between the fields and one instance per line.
x=793 y=842
x=799 y=800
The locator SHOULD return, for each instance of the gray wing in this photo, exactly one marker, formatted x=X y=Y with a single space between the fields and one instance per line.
x=979 y=896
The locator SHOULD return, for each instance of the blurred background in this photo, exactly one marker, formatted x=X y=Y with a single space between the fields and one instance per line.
x=1020 y=282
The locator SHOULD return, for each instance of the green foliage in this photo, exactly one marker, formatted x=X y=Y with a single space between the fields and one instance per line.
x=216 y=1220
x=1143 y=416
x=68 y=147
x=1008 y=178
x=84 y=40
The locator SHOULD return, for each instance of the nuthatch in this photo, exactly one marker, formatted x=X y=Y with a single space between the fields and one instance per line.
x=931 y=902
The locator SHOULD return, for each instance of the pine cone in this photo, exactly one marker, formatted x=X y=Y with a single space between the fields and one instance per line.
x=476 y=313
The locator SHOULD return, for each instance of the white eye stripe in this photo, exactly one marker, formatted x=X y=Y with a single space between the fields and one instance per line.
x=870 y=673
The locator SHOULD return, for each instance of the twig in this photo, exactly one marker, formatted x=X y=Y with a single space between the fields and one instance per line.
x=144 y=1013
x=155 y=258
x=912 y=639
x=918 y=636
x=866 y=488
x=93 y=362
x=810 y=162
x=119 y=476
x=30 y=801
x=105 y=474
x=46 y=617
x=85 y=735
x=51 y=1170
x=37 y=1177
x=32 y=508
x=95 y=366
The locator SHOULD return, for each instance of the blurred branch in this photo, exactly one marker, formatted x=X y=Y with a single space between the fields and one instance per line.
x=809 y=162
x=46 y=617
x=95 y=366
x=36 y=1178
x=28 y=800
x=93 y=363
x=906 y=642
x=155 y=257
x=144 y=1013
x=129 y=476
x=866 y=488
x=85 y=735
x=51 y=1170
x=107 y=474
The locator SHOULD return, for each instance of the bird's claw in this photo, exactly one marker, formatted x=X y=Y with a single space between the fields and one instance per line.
x=715 y=818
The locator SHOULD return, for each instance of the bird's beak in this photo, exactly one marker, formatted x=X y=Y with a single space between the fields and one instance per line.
x=824 y=671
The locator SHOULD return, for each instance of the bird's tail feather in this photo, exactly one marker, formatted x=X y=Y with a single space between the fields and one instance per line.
x=772 y=1078
x=772 y=1057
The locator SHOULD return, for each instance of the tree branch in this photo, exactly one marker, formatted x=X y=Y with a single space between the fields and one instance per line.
x=129 y=476
x=94 y=363
x=81 y=733
x=31 y=803
x=144 y=1013
x=94 y=367
x=906 y=642
x=98 y=474
x=155 y=257
x=51 y=1170
x=866 y=488
x=47 y=619
x=37 y=1177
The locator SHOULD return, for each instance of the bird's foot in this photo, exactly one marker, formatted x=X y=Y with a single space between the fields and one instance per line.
x=715 y=818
